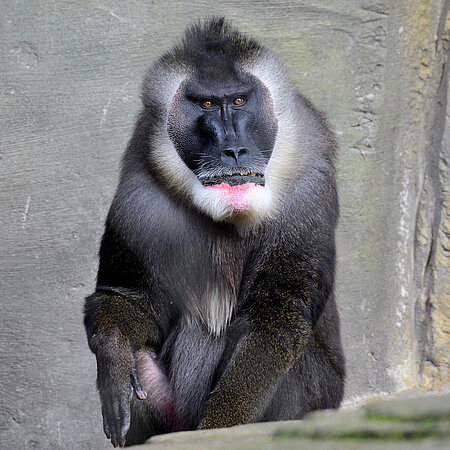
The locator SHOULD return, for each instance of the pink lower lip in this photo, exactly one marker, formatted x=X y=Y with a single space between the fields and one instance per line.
x=237 y=197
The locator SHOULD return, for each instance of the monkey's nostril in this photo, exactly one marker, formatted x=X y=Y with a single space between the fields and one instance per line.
x=235 y=152
x=229 y=152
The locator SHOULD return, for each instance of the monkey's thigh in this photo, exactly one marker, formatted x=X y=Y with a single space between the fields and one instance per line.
x=313 y=383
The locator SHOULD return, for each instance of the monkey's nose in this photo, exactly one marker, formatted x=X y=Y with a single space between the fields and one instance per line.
x=234 y=155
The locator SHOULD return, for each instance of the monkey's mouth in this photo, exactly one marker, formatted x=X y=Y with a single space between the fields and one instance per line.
x=235 y=179
x=237 y=190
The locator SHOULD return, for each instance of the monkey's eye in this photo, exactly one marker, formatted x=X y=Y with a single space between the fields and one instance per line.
x=239 y=101
x=207 y=104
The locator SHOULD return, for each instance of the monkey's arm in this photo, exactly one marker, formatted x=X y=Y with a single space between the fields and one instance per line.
x=118 y=322
x=281 y=304
x=260 y=360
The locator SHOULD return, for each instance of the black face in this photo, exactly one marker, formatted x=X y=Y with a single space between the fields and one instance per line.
x=223 y=126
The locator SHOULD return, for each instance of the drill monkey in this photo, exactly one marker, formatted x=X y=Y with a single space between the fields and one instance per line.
x=214 y=303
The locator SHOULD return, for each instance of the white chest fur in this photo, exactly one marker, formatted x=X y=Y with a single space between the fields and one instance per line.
x=213 y=308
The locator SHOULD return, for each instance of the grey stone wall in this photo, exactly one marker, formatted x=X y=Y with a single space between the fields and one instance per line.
x=69 y=91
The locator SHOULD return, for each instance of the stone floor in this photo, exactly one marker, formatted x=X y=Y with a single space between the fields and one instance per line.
x=416 y=421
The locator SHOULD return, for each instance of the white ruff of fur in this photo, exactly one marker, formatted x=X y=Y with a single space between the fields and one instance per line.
x=284 y=160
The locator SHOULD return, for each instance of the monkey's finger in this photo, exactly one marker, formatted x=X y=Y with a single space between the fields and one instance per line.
x=140 y=393
x=125 y=419
x=116 y=420
x=125 y=424
x=105 y=424
x=114 y=435
x=111 y=425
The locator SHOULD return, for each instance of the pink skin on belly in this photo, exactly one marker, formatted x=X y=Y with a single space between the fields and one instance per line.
x=237 y=197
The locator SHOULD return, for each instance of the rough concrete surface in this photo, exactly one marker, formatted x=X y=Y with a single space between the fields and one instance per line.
x=70 y=74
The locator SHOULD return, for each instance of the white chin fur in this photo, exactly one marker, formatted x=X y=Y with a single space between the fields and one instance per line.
x=210 y=202
x=215 y=205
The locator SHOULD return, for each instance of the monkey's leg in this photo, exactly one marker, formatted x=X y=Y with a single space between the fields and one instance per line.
x=313 y=383
x=118 y=323
x=193 y=357
x=317 y=379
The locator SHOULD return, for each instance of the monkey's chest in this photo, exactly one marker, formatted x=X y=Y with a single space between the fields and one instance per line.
x=212 y=306
x=204 y=280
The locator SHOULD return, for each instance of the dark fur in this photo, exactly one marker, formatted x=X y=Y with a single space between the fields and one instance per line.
x=280 y=357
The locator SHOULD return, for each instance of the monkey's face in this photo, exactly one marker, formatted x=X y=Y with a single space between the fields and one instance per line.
x=222 y=125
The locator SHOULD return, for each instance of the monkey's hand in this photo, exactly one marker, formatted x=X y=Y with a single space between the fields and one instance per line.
x=117 y=380
x=118 y=322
